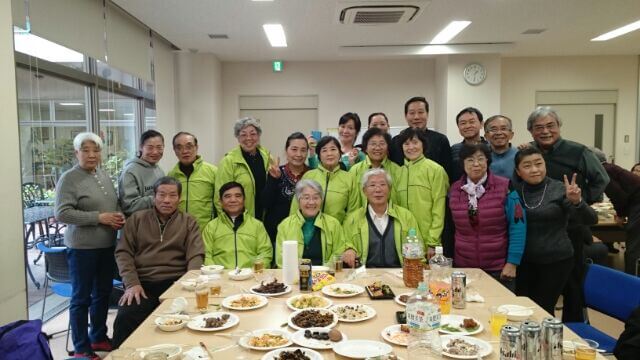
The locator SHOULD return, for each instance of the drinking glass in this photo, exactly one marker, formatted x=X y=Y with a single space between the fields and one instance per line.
x=497 y=320
x=202 y=297
x=585 y=349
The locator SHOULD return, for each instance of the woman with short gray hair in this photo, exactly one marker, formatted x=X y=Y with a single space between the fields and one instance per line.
x=246 y=164
x=319 y=235
x=87 y=202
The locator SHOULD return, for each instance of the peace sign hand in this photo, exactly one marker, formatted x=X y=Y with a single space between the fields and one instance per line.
x=274 y=167
x=572 y=190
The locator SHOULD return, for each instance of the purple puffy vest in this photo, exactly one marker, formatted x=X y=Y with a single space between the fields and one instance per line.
x=484 y=244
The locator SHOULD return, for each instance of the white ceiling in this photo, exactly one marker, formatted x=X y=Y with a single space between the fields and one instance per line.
x=314 y=33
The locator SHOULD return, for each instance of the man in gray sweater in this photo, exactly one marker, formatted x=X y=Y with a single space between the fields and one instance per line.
x=158 y=246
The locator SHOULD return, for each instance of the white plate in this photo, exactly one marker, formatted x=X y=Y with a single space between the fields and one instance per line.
x=189 y=285
x=244 y=341
x=211 y=269
x=370 y=312
x=329 y=290
x=198 y=322
x=362 y=349
x=390 y=331
x=327 y=302
x=227 y=302
x=318 y=268
x=244 y=274
x=313 y=355
x=299 y=339
x=398 y=301
x=485 y=347
x=456 y=321
x=172 y=351
x=160 y=323
x=516 y=312
x=327 y=311
x=287 y=289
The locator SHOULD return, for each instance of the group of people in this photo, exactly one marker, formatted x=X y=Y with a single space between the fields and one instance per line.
x=520 y=213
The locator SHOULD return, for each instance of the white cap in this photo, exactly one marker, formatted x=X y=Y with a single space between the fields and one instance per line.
x=438 y=250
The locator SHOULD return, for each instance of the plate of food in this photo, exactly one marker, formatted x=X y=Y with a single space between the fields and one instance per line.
x=516 y=312
x=318 y=338
x=460 y=325
x=215 y=321
x=171 y=323
x=353 y=312
x=401 y=299
x=266 y=339
x=211 y=269
x=305 y=301
x=272 y=288
x=292 y=353
x=379 y=291
x=342 y=290
x=396 y=334
x=464 y=347
x=362 y=349
x=244 y=302
x=310 y=318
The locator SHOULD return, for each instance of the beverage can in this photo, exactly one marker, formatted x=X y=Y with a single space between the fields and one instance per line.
x=458 y=289
x=306 y=278
x=510 y=343
x=531 y=348
x=551 y=339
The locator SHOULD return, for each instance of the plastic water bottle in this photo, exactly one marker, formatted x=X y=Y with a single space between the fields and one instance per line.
x=413 y=255
x=423 y=319
x=440 y=280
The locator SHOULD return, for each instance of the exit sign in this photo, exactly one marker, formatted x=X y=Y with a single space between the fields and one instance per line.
x=277 y=66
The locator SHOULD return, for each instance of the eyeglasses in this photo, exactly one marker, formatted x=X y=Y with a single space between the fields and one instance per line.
x=497 y=130
x=151 y=147
x=471 y=161
x=379 y=145
x=550 y=126
x=187 y=147
x=309 y=198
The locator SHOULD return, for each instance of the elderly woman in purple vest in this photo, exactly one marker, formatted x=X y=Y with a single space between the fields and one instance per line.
x=490 y=227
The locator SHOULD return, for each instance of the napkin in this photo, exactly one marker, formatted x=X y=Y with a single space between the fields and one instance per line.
x=177 y=305
x=475 y=298
x=290 y=262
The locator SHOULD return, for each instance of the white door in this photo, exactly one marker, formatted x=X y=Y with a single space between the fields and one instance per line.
x=589 y=124
x=280 y=116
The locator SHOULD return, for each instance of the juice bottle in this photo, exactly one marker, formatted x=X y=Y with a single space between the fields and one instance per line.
x=440 y=280
x=412 y=265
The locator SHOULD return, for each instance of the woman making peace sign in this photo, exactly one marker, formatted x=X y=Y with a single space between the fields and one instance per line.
x=548 y=255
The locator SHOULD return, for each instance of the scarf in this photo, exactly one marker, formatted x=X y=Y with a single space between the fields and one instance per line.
x=474 y=191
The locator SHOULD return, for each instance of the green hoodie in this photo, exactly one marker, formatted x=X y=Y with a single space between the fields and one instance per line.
x=358 y=170
x=197 y=190
x=233 y=167
x=331 y=235
x=231 y=249
x=340 y=193
x=357 y=229
x=422 y=189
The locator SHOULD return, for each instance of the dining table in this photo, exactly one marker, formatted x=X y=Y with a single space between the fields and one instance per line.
x=481 y=287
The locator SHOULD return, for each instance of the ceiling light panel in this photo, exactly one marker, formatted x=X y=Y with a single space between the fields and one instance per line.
x=275 y=35
x=618 y=32
x=450 y=31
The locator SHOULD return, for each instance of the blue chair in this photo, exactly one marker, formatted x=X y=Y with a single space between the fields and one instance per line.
x=610 y=292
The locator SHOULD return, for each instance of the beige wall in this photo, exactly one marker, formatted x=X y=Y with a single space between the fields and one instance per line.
x=363 y=87
x=13 y=298
x=522 y=77
x=166 y=106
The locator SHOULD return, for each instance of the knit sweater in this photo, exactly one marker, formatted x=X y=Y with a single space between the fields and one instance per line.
x=548 y=212
x=148 y=253
x=80 y=198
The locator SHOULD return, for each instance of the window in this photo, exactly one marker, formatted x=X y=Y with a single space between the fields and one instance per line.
x=118 y=121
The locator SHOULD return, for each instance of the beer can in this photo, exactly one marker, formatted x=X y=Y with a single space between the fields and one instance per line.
x=531 y=340
x=551 y=339
x=306 y=278
x=458 y=289
x=510 y=343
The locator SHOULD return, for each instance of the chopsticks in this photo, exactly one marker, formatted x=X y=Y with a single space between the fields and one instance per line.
x=206 y=349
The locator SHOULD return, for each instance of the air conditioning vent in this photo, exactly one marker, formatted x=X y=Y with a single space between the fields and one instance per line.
x=378 y=14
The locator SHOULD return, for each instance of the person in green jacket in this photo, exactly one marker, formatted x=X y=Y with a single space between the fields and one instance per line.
x=246 y=164
x=376 y=144
x=422 y=187
x=348 y=129
x=235 y=238
x=375 y=232
x=340 y=193
x=319 y=235
x=197 y=178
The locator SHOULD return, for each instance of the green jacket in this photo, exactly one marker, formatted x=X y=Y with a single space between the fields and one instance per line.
x=331 y=235
x=233 y=167
x=340 y=194
x=197 y=190
x=358 y=170
x=422 y=189
x=232 y=249
x=357 y=229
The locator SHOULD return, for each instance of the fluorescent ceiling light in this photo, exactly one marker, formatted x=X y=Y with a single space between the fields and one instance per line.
x=71 y=104
x=275 y=34
x=107 y=110
x=618 y=32
x=450 y=31
x=261 y=0
x=435 y=50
